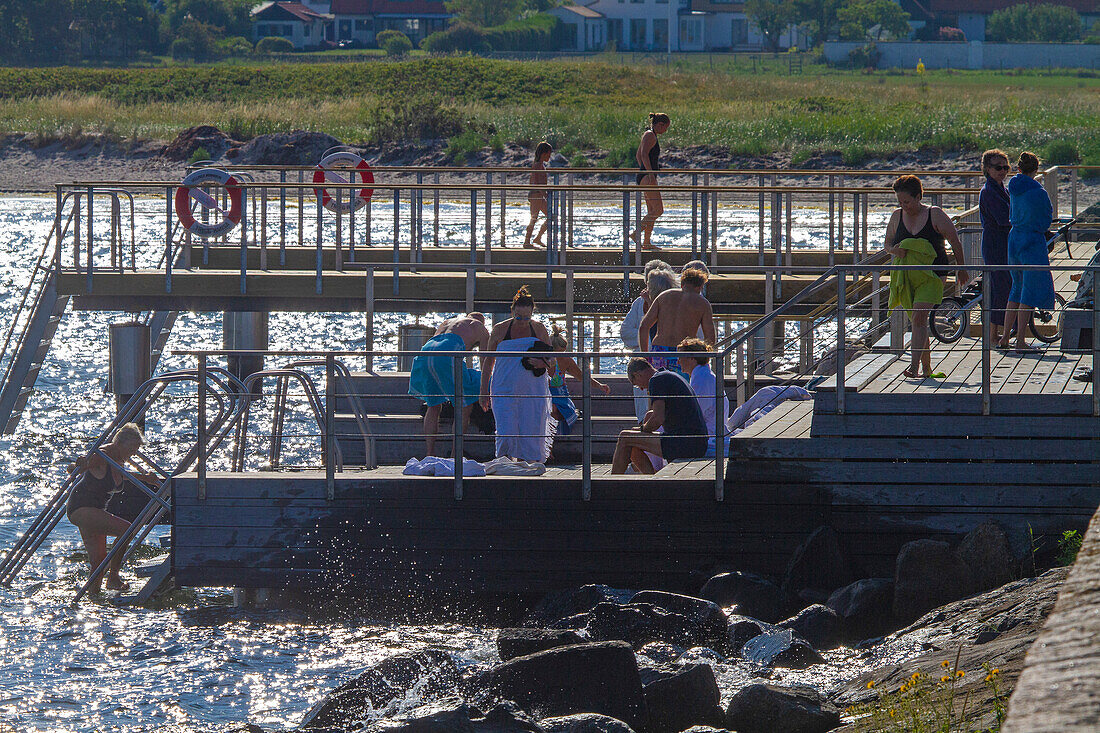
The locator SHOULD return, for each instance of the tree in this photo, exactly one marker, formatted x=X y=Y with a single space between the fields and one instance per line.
x=861 y=19
x=115 y=27
x=37 y=31
x=394 y=43
x=1022 y=23
x=196 y=41
x=486 y=13
x=771 y=18
x=818 y=18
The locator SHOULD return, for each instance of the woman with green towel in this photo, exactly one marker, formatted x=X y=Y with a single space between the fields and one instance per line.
x=916 y=236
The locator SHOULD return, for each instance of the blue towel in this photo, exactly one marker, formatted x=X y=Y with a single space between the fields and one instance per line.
x=559 y=398
x=432 y=377
x=1031 y=216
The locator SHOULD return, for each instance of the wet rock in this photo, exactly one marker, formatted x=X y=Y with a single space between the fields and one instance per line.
x=523 y=641
x=582 y=678
x=556 y=607
x=817 y=565
x=819 y=625
x=698 y=654
x=743 y=628
x=453 y=718
x=287 y=148
x=763 y=708
x=248 y=728
x=432 y=672
x=641 y=623
x=781 y=648
x=865 y=608
x=706 y=615
x=211 y=139
x=660 y=651
x=506 y=717
x=927 y=574
x=986 y=554
x=687 y=697
x=706 y=729
x=746 y=594
x=584 y=723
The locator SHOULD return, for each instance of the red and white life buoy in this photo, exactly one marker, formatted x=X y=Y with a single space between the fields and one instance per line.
x=326 y=172
x=190 y=190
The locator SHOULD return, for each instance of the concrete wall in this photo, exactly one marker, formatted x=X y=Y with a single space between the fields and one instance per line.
x=973 y=55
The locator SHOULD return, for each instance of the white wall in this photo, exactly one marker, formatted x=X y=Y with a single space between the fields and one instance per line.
x=645 y=11
x=973 y=54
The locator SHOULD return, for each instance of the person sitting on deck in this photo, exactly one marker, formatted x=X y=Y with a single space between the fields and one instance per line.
x=562 y=408
x=678 y=314
x=432 y=377
x=704 y=383
x=673 y=406
x=87 y=503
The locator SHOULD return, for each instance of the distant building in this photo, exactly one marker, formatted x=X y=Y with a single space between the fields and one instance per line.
x=728 y=28
x=971 y=16
x=585 y=28
x=305 y=28
x=361 y=20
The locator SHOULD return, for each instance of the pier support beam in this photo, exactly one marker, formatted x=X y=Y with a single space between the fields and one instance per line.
x=245 y=331
x=129 y=360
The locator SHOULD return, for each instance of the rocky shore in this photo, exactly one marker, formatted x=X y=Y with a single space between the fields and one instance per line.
x=806 y=653
x=32 y=164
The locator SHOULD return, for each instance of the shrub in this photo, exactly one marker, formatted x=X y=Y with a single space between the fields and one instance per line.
x=394 y=43
x=537 y=33
x=200 y=154
x=1069 y=544
x=461 y=36
x=1043 y=22
x=864 y=57
x=412 y=118
x=1062 y=152
x=195 y=41
x=462 y=146
x=579 y=161
x=274 y=44
x=235 y=46
x=947 y=33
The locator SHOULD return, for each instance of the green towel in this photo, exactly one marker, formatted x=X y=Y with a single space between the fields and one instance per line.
x=915 y=286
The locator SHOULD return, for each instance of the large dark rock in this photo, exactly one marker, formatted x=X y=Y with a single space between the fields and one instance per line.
x=707 y=616
x=780 y=648
x=556 y=607
x=505 y=718
x=765 y=708
x=987 y=556
x=817 y=565
x=687 y=697
x=746 y=594
x=432 y=672
x=209 y=138
x=927 y=574
x=583 y=678
x=865 y=608
x=523 y=641
x=641 y=623
x=819 y=625
x=584 y=723
x=743 y=628
x=447 y=718
x=298 y=147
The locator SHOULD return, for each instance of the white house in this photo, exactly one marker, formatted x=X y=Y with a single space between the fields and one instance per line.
x=643 y=25
x=303 y=27
x=728 y=28
x=586 y=28
x=361 y=20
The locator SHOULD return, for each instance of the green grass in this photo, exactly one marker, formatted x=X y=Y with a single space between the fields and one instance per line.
x=581 y=105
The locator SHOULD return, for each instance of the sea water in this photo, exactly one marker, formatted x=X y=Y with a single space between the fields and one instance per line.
x=196 y=662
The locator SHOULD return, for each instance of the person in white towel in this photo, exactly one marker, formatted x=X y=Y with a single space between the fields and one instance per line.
x=703 y=383
x=518 y=396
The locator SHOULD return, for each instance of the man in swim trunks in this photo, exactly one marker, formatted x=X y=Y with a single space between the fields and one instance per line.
x=678 y=314
x=432 y=377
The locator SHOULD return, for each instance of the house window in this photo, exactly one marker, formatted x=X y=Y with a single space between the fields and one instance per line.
x=412 y=26
x=637 y=32
x=739 y=31
x=689 y=32
x=288 y=30
x=364 y=24
x=660 y=32
x=345 y=29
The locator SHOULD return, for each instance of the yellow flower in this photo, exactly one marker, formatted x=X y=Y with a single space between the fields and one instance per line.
x=960 y=673
x=989 y=678
x=920 y=66
x=915 y=676
x=995 y=670
x=891 y=712
x=945 y=678
x=870 y=684
x=945 y=664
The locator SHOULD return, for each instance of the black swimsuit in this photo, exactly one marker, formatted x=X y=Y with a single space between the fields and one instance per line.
x=926 y=232
x=92 y=491
x=654 y=162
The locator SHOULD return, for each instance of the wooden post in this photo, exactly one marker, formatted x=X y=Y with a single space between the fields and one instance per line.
x=458 y=450
x=897 y=331
x=586 y=428
x=471 y=284
x=200 y=428
x=832 y=222
x=596 y=340
x=435 y=221
x=720 y=427
x=569 y=301
x=987 y=337
x=841 y=288
x=282 y=218
x=1050 y=183
x=806 y=349
x=263 y=228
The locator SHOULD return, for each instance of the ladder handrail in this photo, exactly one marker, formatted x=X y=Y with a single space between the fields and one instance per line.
x=313 y=399
x=358 y=411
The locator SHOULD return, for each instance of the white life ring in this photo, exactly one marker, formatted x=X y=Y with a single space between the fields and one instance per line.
x=325 y=172
x=190 y=190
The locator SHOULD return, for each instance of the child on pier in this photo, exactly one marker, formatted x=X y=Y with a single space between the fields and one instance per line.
x=537 y=197
x=563 y=408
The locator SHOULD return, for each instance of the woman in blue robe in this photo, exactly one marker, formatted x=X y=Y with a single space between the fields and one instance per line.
x=1031 y=217
x=993 y=209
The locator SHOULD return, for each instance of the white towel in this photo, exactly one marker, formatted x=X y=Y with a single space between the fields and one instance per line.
x=434 y=466
x=507 y=467
x=521 y=406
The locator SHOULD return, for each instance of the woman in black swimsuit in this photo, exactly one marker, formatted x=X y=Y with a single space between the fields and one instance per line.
x=88 y=500
x=648 y=157
x=914 y=219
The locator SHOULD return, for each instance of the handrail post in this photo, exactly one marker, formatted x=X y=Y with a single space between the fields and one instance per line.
x=720 y=426
x=330 y=426
x=167 y=241
x=626 y=238
x=282 y=218
x=200 y=430
x=473 y=226
x=841 y=287
x=458 y=365
x=586 y=428
x=396 y=246
x=1095 y=345
x=987 y=336
x=57 y=227
x=91 y=243
x=320 y=244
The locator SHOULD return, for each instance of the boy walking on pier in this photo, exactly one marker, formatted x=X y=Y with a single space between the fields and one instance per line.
x=433 y=378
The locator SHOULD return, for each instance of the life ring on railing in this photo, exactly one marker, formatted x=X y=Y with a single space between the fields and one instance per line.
x=325 y=172
x=190 y=190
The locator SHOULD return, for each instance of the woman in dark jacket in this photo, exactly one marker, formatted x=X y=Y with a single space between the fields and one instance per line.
x=993 y=208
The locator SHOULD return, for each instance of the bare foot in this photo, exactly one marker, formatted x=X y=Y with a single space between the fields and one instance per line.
x=910 y=373
x=537 y=245
x=117 y=584
x=651 y=247
x=634 y=237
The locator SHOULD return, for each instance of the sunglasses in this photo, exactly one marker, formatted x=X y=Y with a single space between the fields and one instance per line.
x=521 y=318
x=1000 y=167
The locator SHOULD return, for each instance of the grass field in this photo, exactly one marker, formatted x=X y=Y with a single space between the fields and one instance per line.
x=576 y=105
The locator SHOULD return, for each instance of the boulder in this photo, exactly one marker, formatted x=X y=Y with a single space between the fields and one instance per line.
x=561 y=605
x=986 y=554
x=817 y=565
x=743 y=628
x=763 y=708
x=584 y=723
x=706 y=615
x=780 y=648
x=687 y=697
x=298 y=147
x=927 y=574
x=432 y=672
x=641 y=623
x=865 y=608
x=819 y=625
x=523 y=641
x=209 y=138
x=746 y=594
x=582 y=678
x=506 y=717
x=706 y=729
x=451 y=718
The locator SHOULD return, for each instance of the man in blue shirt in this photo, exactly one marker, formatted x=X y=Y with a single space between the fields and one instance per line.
x=673 y=406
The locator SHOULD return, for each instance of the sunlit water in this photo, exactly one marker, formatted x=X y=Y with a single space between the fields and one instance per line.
x=198 y=663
